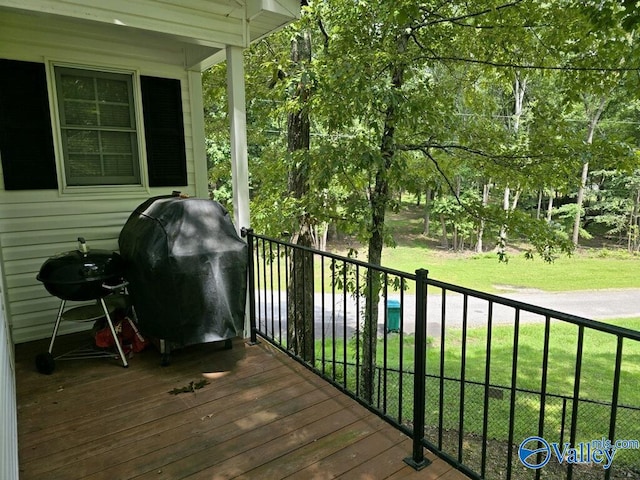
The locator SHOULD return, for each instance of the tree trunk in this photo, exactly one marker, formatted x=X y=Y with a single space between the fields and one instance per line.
x=379 y=198
x=427 y=212
x=456 y=229
x=593 y=118
x=320 y=233
x=485 y=201
x=300 y=294
x=539 y=209
x=550 y=206
x=503 y=230
x=444 y=241
x=516 y=197
x=579 y=201
x=519 y=90
x=632 y=244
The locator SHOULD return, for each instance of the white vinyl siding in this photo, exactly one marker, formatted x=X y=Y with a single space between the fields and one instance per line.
x=166 y=39
x=8 y=420
x=35 y=225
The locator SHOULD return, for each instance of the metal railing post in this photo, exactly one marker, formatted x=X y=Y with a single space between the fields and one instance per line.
x=418 y=460
x=248 y=232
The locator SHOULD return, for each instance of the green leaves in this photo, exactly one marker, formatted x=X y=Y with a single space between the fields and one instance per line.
x=409 y=95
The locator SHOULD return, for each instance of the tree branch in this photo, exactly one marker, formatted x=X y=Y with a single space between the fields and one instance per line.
x=480 y=153
x=427 y=154
x=567 y=68
x=457 y=20
x=324 y=33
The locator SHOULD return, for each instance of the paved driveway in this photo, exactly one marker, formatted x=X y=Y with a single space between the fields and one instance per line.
x=594 y=304
x=335 y=314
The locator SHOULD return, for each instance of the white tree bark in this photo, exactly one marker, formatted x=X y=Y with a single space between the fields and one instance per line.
x=485 y=201
x=519 y=90
x=550 y=206
x=594 y=118
x=427 y=212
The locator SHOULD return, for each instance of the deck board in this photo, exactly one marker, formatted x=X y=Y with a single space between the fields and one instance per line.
x=262 y=415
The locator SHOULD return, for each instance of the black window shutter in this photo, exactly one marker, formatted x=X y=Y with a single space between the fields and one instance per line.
x=26 y=140
x=164 y=131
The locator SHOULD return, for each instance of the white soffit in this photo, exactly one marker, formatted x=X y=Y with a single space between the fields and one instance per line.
x=202 y=22
x=202 y=27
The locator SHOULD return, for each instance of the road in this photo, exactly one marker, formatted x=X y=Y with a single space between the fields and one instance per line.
x=594 y=304
x=330 y=312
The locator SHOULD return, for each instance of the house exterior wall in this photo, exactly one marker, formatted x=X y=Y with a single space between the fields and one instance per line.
x=36 y=224
x=8 y=420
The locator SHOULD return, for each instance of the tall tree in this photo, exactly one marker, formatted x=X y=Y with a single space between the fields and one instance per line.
x=300 y=298
x=593 y=112
x=396 y=80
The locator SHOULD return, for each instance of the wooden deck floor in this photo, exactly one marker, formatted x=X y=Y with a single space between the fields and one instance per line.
x=262 y=416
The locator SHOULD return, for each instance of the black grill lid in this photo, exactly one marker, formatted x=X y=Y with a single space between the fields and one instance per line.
x=76 y=267
x=80 y=274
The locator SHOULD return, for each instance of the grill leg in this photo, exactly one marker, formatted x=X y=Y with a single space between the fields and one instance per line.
x=123 y=357
x=55 y=327
x=165 y=351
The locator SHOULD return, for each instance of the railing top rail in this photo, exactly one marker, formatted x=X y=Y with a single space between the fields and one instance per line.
x=546 y=312
x=341 y=258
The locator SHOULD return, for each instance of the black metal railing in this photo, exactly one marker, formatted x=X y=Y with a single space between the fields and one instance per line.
x=469 y=375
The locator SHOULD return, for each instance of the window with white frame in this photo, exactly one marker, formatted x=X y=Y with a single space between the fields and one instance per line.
x=98 y=127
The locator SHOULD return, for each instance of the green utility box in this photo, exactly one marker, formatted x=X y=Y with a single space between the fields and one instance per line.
x=393 y=315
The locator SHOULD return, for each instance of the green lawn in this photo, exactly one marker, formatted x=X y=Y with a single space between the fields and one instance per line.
x=484 y=272
x=588 y=268
x=584 y=271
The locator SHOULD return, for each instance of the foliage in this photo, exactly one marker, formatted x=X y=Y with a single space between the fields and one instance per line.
x=407 y=96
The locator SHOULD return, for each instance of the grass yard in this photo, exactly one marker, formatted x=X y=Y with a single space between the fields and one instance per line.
x=484 y=272
x=583 y=271
x=588 y=268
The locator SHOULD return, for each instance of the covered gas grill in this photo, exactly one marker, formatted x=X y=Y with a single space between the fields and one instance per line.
x=82 y=275
x=187 y=271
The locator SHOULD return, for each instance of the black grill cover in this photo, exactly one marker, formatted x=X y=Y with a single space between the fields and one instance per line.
x=187 y=270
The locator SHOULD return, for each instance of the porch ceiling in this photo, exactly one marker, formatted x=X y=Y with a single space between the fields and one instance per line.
x=202 y=28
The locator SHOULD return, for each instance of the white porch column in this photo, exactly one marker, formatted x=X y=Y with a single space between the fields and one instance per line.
x=237 y=114
x=239 y=155
x=197 y=126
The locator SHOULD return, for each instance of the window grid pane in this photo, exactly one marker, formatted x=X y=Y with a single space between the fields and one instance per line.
x=98 y=127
